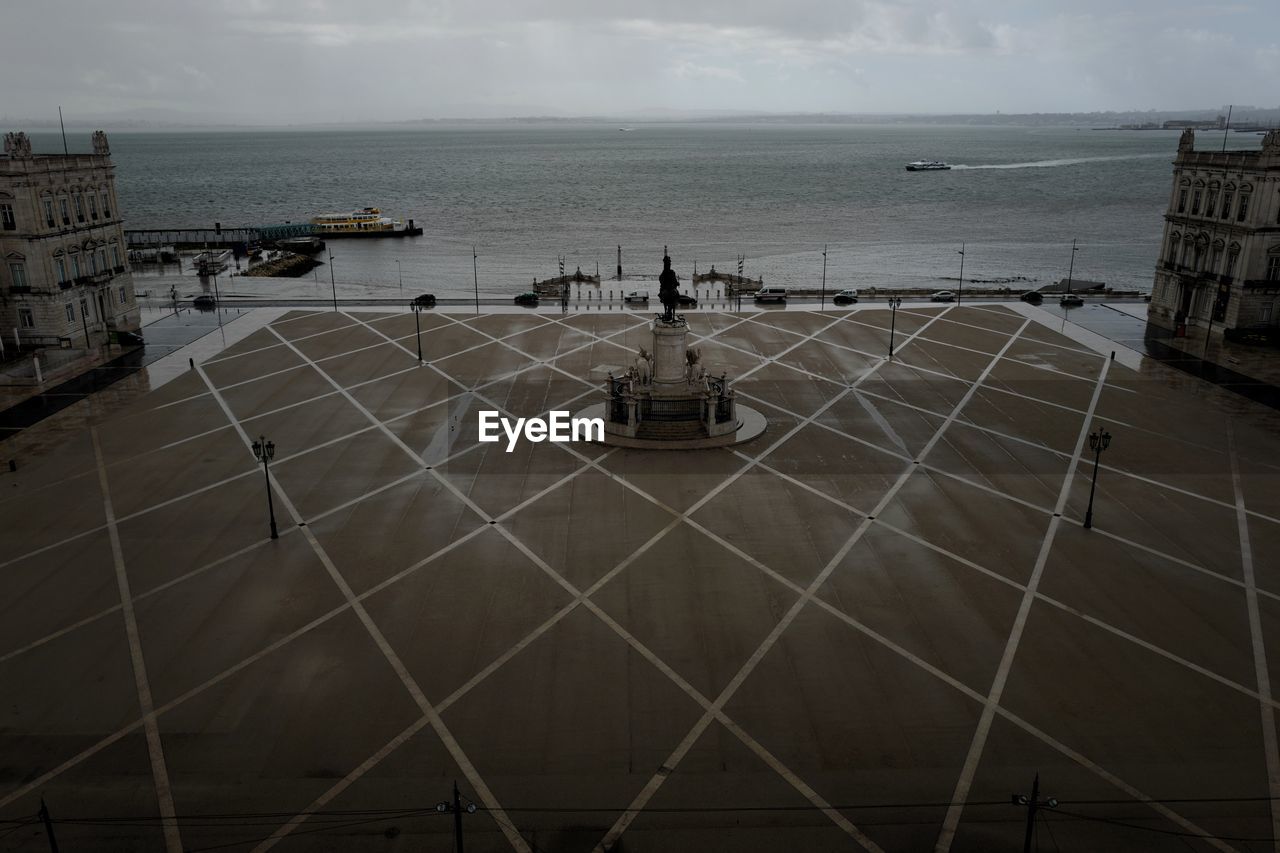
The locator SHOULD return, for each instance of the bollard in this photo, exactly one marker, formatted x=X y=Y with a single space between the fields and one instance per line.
x=1113 y=355
x=192 y=363
x=35 y=362
x=13 y=466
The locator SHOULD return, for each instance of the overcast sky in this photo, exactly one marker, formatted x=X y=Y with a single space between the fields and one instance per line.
x=360 y=60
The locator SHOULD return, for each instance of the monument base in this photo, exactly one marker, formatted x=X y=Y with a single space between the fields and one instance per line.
x=750 y=424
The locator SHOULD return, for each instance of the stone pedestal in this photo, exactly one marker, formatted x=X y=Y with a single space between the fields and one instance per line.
x=664 y=402
x=670 y=344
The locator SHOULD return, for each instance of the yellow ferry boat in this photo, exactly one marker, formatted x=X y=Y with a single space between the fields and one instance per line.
x=368 y=219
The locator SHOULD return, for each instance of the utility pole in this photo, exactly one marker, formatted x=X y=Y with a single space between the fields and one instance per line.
x=960 y=291
x=44 y=813
x=619 y=263
x=1225 y=128
x=475 y=276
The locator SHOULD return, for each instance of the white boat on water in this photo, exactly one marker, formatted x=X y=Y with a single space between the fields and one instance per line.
x=927 y=166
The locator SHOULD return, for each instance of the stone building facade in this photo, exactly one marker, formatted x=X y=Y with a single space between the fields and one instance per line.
x=1219 y=263
x=64 y=274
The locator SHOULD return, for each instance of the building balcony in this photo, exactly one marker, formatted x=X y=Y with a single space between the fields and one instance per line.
x=20 y=289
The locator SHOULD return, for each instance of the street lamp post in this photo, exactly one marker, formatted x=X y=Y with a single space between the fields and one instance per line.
x=400 y=275
x=1098 y=442
x=266 y=451
x=333 y=284
x=457 y=809
x=417 y=327
x=1071 y=268
x=960 y=290
x=824 y=277
x=894 y=302
x=475 y=276
x=1033 y=804
x=1208 y=332
x=84 y=321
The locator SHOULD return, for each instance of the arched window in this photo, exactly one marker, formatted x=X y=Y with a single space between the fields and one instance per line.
x=1233 y=255
x=1242 y=211
x=1183 y=188
x=1196 y=196
x=1173 y=247
x=1211 y=199
x=1215 y=262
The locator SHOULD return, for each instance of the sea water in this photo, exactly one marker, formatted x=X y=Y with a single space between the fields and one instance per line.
x=525 y=196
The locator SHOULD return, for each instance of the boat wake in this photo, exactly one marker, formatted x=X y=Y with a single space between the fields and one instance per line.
x=1070 y=161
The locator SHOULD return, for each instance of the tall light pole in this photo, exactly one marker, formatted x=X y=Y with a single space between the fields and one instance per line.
x=1071 y=268
x=960 y=291
x=333 y=284
x=475 y=276
x=265 y=451
x=894 y=302
x=1208 y=332
x=400 y=274
x=417 y=327
x=824 y=276
x=1099 y=440
x=457 y=808
x=1033 y=804
x=84 y=321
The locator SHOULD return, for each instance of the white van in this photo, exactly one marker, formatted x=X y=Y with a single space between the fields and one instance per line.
x=771 y=294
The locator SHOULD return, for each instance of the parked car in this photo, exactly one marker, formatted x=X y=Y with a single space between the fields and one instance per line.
x=1034 y=297
x=1070 y=300
x=637 y=296
x=684 y=300
x=943 y=296
x=528 y=299
x=204 y=302
x=845 y=297
x=771 y=294
x=129 y=339
x=426 y=300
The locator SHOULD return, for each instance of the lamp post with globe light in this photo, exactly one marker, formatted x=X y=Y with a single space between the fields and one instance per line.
x=417 y=326
x=894 y=302
x=1099 y=440
x=265 y=451
x=457 y=809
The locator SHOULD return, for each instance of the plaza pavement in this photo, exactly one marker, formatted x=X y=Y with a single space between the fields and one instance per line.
x=865 y=629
